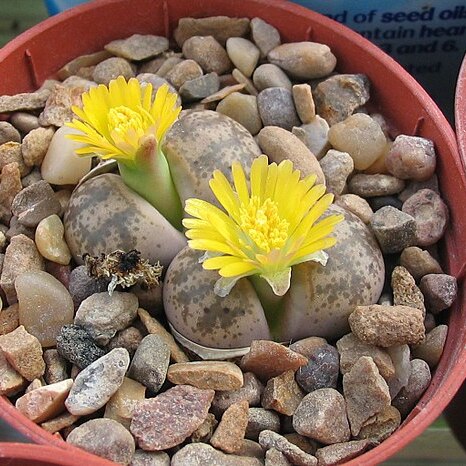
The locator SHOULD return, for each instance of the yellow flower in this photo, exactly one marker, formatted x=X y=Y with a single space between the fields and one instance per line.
x=267 y=225
x=114 y=119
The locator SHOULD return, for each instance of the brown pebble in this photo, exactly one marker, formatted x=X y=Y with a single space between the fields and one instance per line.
x=419 y=262
x=11 y=381
x=9 y=319
x=439 y=290
x=405 y=290
x=10 y=186
x=342 y=452
x=431 y=349
x=382 y=425
x=60 y=422
x=205 y=431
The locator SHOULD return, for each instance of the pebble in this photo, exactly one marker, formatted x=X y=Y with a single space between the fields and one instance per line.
x=342 y=452
x=351 y=349
x=10 y=186
x=103 y=315
x=304 y=102
x=279 y=144
x=150 y=363
x=305 y=443
x=55 y=366
x=282 y=394
x=105 y=438
x=243 y=53
x=269 y=75
x=439 y=290
x=33 y=177
x=269 y=439
x=44 y=403
x=35 y=145
x=419 y=262
x=337 y=97
x=308 y=346
x=400 y=356
x=208 y=53
x=414 y=186
x=75 y=344
x=356 y=205
x=110 y=69
x=23 y=352
x=24 y=122
x=59 y=423
x=57 y=110
x=199 y=88
x=182 y=72
x=16 y=229
x=229 y=434
x=168 y=419
x=216 y=375
x=11 y=381
x=81 y=285
x=411 y=157
x=82 y=61
x=8 y=133
x=366 y=393
x=224 y=91
x=268 y=359
x=156 y=328
x=321 y=371
x=241 y=79
x=431 y=349
x=273 y=457
x=418 y=382
x=129 y=338
x=243 y=109
x=61 y=166
x=12 y=152
x=9 y=318
x=220 y=27
x=21 y=256
x=44 y=305
x=394 y=229
x=322 y=417
x=34 y=203
x=264 y=35
x=50 y=240
x=431 y=216
x=314 y=135
x=96 y=383
x=375 y=185
x=378 y=202
x=138 y=47
x=205 y=431
x=276 y=108
x=405 y=290
x=303 y=60
x=150 y=458
x=381 y=426
x=260 y=419
x=361 y=137
x=164 y=66
x=24 y=101
x=198 y=454
x=337 y=166
x=121 y=405
x=387 y=325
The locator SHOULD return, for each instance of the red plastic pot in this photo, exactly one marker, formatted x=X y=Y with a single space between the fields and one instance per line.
x=40 y=52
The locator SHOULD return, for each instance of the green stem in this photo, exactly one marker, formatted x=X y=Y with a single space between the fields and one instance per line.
x=149 y=175
x=271 y=303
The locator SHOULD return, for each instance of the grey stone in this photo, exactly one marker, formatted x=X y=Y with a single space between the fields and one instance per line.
x=375 y=185
x=276 y=108
x=268 y=75
x=261 y=419
x=337 y=166
x=82 y=285
x=8 y=133
x=208 y=53
x=138 y=47
x=199 y=88
x=25 y=101
x=264 y=35
x=110 y=69
x=24 y=121
x=439 y=290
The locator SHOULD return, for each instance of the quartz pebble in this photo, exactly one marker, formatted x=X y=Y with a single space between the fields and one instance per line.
x=243 y=109
x=215 y=375
x=400 y=356
x=375 y=185
x=10 y=186
x=387 y=325
x=342 y=452
x=50 y=240
x=138 y=47
x=419 y=262
x=260 y=419
x=405 y=290
x=282 y=394
x=439 y=290
x=150 y=362
x=269 y=75
x=110 y=69
x=304 y=102
x=243 y=53
x=96 y=383
x=208 y=53
x=264 y=35
x=268 y=359
x=431 y=349
x=168 y=419
x=322 y=417
x=11 y=381
x=9 y=318
x=23 y=352
x=35 y=145
x=8 y=133
x=314 y=135
x=103 y=315
x=411 y=157
x=337 y=166
x=55 y=366
x=46 y=402
x=366 y=393
x=382 y=425
x=44 y=305
x=105 y=438
x=430 y=214
x=356 y=205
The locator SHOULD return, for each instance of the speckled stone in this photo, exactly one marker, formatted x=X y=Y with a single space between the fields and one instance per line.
x=201 y=142
x=9 y=318
x=260 y=419
x=264 y=35
x=10 y=186
x=382 y=425
x=150 y=362
x=101 y=204
x=208 y=53
x=204 y=432
x=138 y=47
x=105 y=438
x=405 y=290
x=314 y=135
x=188 y=292
x=431 y=349
x=342 y=452
x=375 y=185
x=11 y=382
x=24 y=101
x=35 y=145
x=95 y=384
x=8 y=133
x=110 y=69
x=439 y=290
x=273 y=457
x=55 y=366
x=276 y=108
x=303 y=60
x=282 y=393
x=339 y=96
x=356 y=205
x=269 y=75
x=321 y=416
x=337 y=166
x=12 y=152
x=168 y=419
x=419 y=262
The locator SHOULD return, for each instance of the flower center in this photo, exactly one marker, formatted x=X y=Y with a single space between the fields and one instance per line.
x=263 y=224
x=123 y=121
